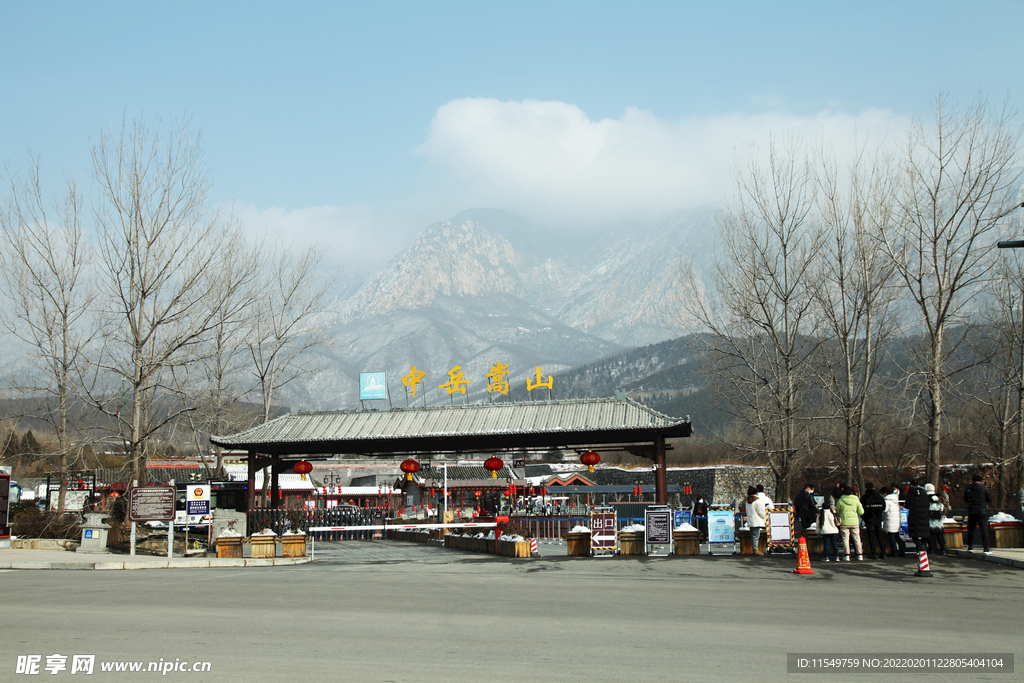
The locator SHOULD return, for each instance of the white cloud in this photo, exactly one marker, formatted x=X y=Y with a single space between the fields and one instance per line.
x=358 y=238
x=551 y=161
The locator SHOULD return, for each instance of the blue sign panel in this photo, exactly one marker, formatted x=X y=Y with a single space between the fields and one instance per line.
x=373 y=386
x=721 y=526
x=682 y=517
x=197 y=507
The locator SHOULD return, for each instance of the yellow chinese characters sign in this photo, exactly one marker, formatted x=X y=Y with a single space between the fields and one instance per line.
x=457 y=381
x=413 y=378
x=498 y=384
x=549 y=383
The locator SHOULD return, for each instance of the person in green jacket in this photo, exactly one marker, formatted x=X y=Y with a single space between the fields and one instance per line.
x=849 y=509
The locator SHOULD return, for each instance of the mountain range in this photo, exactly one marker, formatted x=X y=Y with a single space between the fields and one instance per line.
x=487 y=287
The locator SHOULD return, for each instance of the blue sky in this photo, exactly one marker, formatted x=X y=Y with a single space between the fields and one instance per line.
x=358 y=124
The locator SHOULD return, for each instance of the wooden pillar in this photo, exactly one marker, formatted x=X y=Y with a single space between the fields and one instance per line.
x=275 y=488
x=661 y=474
x=250 y=490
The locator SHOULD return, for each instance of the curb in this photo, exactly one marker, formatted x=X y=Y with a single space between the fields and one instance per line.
x=1005 y=561
x=212 y=563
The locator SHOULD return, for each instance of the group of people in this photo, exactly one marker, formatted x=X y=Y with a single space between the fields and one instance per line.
x=842 y=516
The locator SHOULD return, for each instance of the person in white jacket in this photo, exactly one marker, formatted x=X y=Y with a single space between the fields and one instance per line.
x=891 y=522
x=756 y=514
x=828 y=529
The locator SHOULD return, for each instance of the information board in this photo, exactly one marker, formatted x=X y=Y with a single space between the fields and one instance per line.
x=151 y=503
x=658 y=526
x=74 y=501
x=780 y=527
x=197 y=500
x=603 y=526
x=5 y=497
x=722 y=531
x=682 y=517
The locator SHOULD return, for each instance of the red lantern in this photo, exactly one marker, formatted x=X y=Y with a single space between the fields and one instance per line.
x=493 y=465
x=590 y=458
x=410 y=466
x=302 y=467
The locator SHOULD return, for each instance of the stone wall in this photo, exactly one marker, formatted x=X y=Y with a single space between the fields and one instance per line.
x=731 y=483
x=722 y=485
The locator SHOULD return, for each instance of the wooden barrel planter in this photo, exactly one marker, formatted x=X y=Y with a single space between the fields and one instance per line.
x=578 y=544
x=631 y=543
x=293 y=545
x=686 y=542
x=954 y=535
x=229 y=546
x=263 y=546
x=746 y=547
x=1006 y=535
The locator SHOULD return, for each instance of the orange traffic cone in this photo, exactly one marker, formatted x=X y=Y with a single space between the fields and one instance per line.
x=922 y=565
x=803 y=560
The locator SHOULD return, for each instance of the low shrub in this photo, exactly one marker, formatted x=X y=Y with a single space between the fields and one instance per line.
x=34 y=523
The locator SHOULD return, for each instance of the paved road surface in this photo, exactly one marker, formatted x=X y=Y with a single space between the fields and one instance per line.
x=378 y=611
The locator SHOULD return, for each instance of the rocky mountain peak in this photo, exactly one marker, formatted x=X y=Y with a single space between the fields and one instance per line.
x=450 y=258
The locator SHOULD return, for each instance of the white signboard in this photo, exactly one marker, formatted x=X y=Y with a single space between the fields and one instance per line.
x=780 y=527
x=73 y=500
x=197 y=499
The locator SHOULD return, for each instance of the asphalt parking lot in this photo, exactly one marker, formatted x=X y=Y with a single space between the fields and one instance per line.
x=389 y=611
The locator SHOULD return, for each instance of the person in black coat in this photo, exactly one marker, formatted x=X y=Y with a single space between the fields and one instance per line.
x=874 y=508
x=700 y=513
x=918 y=525
x=804 y=507
x=978 y=499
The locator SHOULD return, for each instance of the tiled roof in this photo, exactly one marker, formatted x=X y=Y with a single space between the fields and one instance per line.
x=469 y=424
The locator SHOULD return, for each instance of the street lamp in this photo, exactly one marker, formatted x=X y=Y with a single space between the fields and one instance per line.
x=1018 y=244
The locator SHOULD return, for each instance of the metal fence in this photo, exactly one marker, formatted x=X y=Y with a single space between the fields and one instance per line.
x=278 y=521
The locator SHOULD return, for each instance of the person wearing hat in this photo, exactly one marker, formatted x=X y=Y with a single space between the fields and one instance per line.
x=828 y=529
x=891 y=521
x=978 y=499
x=874 y=513
x=917 y=516
x=936 y=511
x=756 y=517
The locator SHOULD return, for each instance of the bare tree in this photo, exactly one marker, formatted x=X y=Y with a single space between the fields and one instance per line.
x=958 y=176
x=158 y=241
x=45 y=264
x=217 y=384
x=285 y=326
x=759 y=313
x=855 y=295
x=997 y=411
